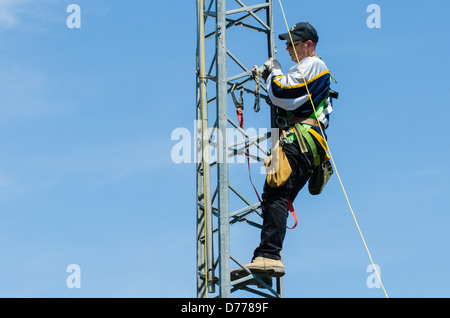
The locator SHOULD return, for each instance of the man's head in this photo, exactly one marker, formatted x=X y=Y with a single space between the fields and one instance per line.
x=304 y=41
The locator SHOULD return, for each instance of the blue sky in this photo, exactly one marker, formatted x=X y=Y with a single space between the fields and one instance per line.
x=87 y=178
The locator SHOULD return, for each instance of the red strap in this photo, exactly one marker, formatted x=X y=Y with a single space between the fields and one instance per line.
x=291 y=208
x=240 y=117
x=241 y=124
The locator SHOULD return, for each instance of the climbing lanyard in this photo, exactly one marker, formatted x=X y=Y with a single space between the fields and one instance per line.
x=291 y=209
x=241 y=124
x=240 y=116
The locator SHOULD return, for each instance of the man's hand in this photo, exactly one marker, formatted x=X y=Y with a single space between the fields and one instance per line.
x=268 y=68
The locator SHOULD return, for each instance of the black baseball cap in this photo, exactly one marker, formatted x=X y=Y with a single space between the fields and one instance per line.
x=301 y=31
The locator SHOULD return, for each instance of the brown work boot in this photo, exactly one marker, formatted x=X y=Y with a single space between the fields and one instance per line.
x=267 y=266
x=263 y=266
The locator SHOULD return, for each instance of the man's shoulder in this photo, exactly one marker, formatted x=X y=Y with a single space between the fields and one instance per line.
x=310 y=67
x=313 y=61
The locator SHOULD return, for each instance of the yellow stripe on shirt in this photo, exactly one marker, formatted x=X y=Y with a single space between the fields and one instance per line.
x=299 y=85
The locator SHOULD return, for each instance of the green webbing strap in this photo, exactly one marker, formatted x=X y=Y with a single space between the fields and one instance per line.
x=303 y=131
x=319 y=109
x=299 y=133
x=309 y=139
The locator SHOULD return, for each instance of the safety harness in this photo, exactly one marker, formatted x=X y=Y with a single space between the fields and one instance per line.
x=301 y=127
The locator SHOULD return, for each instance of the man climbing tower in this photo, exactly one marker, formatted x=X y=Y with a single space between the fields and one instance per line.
x=303 y=107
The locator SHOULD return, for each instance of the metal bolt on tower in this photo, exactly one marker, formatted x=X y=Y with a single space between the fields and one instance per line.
x=224 y=65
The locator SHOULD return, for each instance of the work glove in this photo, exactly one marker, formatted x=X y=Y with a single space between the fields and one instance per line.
x=268 y=67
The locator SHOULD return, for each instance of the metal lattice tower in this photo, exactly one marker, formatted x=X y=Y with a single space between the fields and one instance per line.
x=219 y=73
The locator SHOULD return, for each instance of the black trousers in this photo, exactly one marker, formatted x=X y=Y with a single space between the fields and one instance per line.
x=275 y=203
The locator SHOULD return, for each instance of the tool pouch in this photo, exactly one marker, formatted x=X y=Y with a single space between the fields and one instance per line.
x=277 y=167
x=319 y=178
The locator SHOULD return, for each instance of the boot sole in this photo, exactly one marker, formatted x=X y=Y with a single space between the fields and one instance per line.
x=271 y=271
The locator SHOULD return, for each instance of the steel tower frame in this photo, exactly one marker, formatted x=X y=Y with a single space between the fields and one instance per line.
x=214 y=217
